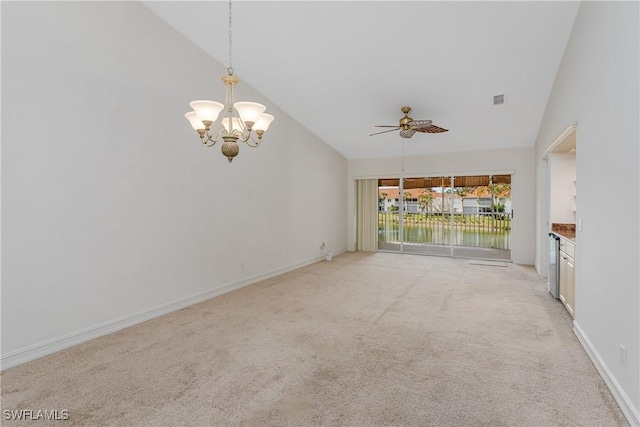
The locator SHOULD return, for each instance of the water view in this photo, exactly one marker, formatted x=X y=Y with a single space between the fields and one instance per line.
x=474 y=230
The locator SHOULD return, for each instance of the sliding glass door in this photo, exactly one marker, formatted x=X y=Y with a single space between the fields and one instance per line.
x=463 y=216
x=483 y=218
x=427 y=219
x=389 y=218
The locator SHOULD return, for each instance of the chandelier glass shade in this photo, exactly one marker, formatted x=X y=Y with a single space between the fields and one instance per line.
x=244 y=121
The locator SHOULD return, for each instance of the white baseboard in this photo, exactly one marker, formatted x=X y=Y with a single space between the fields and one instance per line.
x=36 y=351
x=626 y=405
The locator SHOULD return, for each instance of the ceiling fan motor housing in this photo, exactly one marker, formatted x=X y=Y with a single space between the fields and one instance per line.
x=404 y=122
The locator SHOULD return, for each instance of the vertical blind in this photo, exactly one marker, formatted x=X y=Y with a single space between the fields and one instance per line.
x=367 y=215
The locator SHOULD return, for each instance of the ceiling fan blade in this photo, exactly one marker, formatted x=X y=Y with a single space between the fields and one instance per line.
x=432 y=129
x=387 y=126
x=419 y=124
x=385 y=131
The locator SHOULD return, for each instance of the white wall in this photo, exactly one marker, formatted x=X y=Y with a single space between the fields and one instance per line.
x=519 y=161
x=562 y=174
x=112 y=211
x=597 y=87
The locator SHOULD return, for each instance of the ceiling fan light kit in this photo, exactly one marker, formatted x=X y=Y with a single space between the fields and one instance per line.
x=408 y=127
x=240 y=120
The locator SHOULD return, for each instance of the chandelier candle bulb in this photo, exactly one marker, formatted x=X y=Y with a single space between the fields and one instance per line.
x=249 y=112
x=207 y=111
x=237 y=125
x=196 y=123
x=262 y=124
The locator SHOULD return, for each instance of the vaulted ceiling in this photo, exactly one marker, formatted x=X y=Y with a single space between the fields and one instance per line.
x=339 y=68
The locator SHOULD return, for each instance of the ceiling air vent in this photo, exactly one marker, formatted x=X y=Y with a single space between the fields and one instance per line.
x=498 y=99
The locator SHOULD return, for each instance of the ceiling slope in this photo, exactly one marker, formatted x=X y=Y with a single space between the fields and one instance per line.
x=340 y=68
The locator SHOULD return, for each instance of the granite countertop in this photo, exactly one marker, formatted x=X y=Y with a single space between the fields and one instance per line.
x=568 y=231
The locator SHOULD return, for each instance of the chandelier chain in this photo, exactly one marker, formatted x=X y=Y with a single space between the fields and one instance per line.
x=230 y=69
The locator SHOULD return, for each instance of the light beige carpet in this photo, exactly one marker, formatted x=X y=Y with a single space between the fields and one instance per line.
x=363 y=340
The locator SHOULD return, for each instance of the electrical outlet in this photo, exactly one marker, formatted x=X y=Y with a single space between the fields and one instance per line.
x=579 y=224
x=623 y=356
x=242 y=266
x=322 y=246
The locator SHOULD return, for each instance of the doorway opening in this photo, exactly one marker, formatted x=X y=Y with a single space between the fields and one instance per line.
x=457 y=216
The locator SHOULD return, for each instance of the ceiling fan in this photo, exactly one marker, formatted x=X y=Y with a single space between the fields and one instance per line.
x=407 y=126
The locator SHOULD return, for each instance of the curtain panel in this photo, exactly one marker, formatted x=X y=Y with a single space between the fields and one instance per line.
x=367 y=215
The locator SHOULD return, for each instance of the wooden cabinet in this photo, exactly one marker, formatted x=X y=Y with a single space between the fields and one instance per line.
x=568 y=275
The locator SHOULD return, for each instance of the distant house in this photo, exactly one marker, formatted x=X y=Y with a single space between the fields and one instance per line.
x=389 y=200
x=472 y=203
x=476 y=205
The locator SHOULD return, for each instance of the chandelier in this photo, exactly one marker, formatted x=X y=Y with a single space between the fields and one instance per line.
x=244 y=121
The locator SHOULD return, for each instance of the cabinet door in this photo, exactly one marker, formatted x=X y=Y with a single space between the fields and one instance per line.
x=571 y=286
x=567 y=282
x=563 y=280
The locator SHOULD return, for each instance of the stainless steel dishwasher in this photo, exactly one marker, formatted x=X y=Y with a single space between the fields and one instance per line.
x=553 y=279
